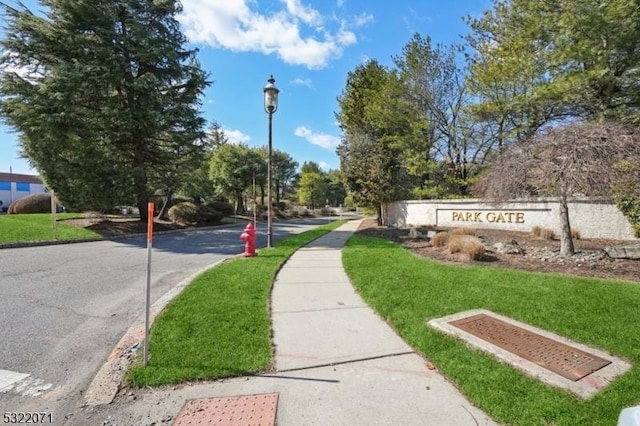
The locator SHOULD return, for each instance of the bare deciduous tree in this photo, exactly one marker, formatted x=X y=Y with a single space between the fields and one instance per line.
x=576 y=159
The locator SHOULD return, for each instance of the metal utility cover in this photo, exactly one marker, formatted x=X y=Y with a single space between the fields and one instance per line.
x=255 y=410
x=567 y=361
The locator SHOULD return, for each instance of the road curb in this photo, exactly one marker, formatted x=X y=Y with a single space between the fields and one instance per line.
x=106 y=383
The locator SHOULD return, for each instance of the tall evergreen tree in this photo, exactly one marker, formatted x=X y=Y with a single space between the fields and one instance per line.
x=538 y=61
x=104 y=94
x=377 y=124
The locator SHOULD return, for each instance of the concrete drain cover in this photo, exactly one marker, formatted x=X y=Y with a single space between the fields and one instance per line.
x=255 y=410
x=553 y=359
x=562 y=359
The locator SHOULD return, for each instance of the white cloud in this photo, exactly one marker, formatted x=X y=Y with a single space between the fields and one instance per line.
x=305 y=13
x=236 y=136
x=324 y=166
x=363 y=19
x=234 y=25
x=12 y=64
x=323 y=140
x=302 y=82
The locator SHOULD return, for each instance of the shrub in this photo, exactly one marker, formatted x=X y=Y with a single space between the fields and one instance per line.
x=575 y=234
x=185 y=213
x=463 y=231
x=536 y=231
x=544 y=233
x=209 y=214
x=283 y=205
x=189 y=213
x=547 y=234
x=36 y=203
x=300 y=211
x=326 y=211
x=221 y=206
x=441 y=239
x=467 y=244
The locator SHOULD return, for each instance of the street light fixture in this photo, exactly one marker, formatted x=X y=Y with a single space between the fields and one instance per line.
x=270 y=106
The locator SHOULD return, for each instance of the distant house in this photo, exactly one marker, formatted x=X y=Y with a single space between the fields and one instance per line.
x=14 y=186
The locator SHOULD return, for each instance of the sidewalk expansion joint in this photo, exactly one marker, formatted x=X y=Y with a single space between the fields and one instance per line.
x=351 y=361
x=337 y=308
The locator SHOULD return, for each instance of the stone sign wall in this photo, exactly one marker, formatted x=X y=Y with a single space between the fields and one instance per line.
x=593 y=218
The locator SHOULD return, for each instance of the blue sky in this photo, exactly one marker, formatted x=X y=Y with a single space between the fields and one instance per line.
x=309 y=46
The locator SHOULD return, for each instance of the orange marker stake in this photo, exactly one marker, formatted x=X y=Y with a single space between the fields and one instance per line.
x=148 y=304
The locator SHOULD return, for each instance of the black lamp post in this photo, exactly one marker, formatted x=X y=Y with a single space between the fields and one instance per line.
x=270 y=106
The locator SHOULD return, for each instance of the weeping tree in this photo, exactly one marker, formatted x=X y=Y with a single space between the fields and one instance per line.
x=577 y=159
x=104 y=95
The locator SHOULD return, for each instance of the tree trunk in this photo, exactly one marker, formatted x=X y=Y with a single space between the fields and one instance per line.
x=142 y=195
x=239 y=203
x=379 y=212
x=566 y=241
x=262 y=194
x=162 y=214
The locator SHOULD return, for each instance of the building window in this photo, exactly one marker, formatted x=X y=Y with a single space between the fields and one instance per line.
x=5 y=186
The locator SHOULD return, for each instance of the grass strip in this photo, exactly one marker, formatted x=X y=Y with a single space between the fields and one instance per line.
x=16 y=228
x=408 y=291
x=219 y=326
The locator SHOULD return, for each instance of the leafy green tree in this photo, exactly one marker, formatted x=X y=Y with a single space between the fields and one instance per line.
x=312 y=189
x=446 y=133
x=284 y=170
x=336 y=192
x=231 y=170
x=283 y=173
x=310 y=167
x=104 y=95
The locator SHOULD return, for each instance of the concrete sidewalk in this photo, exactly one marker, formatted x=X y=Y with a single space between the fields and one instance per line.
x=337 y=362
x=324 y=331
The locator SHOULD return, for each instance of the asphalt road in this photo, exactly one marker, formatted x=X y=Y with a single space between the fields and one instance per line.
x=64 y=307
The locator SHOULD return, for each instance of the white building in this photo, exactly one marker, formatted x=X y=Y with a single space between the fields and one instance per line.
x=14 y=186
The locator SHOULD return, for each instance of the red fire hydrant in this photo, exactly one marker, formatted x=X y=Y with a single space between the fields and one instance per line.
x=249 y=238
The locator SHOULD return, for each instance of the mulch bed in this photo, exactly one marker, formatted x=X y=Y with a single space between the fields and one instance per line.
x=110 y=227
x=540 y=255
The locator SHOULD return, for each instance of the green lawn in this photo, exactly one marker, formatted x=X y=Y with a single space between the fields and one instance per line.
x=408 y=291
x=219 y=326
x=39 y=227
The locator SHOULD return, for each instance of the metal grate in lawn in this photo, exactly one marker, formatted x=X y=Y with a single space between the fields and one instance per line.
x=562 y=359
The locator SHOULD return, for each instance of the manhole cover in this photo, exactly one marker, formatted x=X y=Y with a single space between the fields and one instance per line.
x=562 y=359
x=255 y=410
